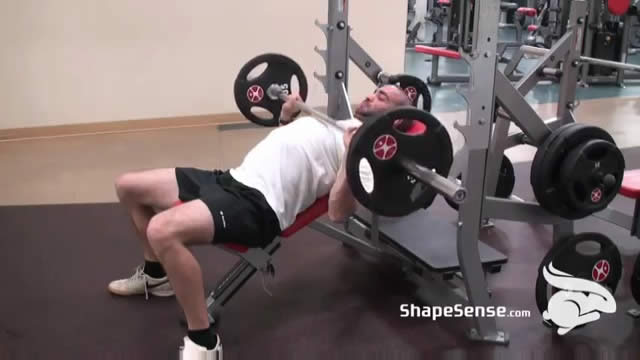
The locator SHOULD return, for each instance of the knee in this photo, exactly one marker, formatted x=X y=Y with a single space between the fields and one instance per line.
x=162 y=235
x=125 y=185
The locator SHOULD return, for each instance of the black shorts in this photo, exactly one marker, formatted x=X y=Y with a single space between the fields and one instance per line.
x=241 y=214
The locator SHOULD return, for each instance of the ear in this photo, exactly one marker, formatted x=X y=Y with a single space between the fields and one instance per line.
x=403 y=98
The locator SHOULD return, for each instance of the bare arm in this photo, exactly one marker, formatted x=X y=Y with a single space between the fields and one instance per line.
x=342 y=203
x=289 y=109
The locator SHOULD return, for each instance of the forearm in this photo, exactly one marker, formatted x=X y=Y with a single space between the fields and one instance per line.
x=287 y=117
x=342 y=203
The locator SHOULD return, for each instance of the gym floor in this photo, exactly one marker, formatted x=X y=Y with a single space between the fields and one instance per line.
x=64 y=238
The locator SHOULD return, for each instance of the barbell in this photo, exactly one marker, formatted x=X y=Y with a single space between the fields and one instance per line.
x=408 y=168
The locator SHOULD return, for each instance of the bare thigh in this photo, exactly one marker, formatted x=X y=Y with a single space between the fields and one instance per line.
x=190 y=223
x=157 y=188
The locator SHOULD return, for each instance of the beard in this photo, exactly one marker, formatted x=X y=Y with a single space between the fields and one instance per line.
x=366 y=115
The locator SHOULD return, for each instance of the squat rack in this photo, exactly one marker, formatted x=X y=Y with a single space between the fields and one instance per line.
x=479 y=160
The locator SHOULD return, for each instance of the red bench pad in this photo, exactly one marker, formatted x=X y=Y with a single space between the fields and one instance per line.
x=438 y=51
x=530 y=12
x=618 y=7
x=631 y=184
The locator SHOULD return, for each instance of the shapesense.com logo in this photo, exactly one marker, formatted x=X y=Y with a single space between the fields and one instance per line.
x=458 y=311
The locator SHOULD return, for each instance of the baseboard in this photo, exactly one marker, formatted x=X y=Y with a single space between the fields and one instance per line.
x=119 y=126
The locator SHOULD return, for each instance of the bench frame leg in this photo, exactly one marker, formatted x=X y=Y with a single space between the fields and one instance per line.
x=233 y=280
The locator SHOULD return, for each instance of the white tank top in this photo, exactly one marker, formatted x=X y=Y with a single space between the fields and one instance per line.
x=294 y=165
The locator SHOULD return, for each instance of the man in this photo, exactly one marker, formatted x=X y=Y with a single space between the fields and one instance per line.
x=250 y=204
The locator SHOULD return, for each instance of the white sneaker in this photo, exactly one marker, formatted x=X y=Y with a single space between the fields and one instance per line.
x=193 y=351
x=140 y=283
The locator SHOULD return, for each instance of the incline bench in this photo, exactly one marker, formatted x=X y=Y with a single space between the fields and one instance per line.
x=630 y=189
x=435 y=252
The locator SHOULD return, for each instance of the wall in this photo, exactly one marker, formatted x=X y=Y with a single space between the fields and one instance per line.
x=83 y=61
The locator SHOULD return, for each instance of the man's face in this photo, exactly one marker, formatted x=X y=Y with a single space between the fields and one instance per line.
x=383 y=99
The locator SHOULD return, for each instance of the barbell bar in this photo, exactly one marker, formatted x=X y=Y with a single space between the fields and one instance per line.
x=593 y=61
x=441 y=184
x=276 y=92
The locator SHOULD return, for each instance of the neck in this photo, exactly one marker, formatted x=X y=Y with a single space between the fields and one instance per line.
x=366 y=117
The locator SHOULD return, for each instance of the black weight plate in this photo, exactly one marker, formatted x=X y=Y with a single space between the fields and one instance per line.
x=539 y=177
x=250 y=93
x=547 y=165
x=575 y=138
x=541 y=289
x=635 y=280
x=395 y=192
x=506 y=181
x=603 y=266
x=506 y=178
x=591 y=175
x=415 y=89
